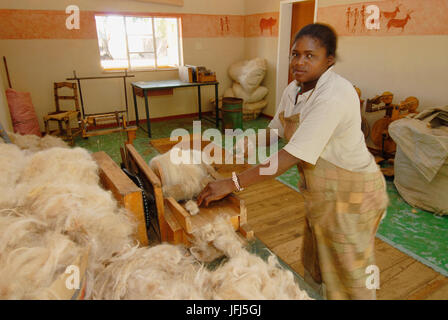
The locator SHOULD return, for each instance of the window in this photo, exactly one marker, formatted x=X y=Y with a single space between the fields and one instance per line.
x=138 y=42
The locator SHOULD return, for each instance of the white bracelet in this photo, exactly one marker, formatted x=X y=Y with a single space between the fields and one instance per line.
x=235 y=181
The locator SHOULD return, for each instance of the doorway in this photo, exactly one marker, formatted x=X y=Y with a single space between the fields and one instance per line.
x=294 y=14
x=302 y=15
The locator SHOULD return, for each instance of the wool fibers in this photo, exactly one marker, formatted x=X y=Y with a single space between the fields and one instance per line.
x=170 y=272
x=12 y=163
x=184 y=180
x=245 y=275
x=32 y=143
x=192 y=207
x=31 y=255
x=160 y=272
x=57 y=211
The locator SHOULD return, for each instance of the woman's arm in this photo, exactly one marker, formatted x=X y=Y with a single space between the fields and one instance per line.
x=217 y=190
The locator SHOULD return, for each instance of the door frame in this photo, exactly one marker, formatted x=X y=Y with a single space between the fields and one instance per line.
x=284 y=36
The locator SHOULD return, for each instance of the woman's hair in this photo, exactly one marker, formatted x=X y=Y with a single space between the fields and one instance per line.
x=324 y=33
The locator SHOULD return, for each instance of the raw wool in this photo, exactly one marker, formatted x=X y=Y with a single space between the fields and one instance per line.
x=31 y=256
x=63 y=165
x=86 y=213
x=161 y=272
x=183 y=181
x=169 y=272
x=12 y=163
x=33 y=143
x=192 y=207
x=57 y=193
x=245 y=275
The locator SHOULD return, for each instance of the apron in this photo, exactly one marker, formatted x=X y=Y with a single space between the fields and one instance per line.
x=343 y=212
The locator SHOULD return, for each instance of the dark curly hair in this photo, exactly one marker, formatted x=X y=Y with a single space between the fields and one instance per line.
x=324 y=33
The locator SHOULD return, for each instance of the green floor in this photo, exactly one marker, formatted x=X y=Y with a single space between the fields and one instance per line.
x=417 y=233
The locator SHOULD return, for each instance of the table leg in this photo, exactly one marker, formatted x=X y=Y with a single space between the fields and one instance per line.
x=199 y=102
x=135 y=106
x=148 y=124
x=217 y=106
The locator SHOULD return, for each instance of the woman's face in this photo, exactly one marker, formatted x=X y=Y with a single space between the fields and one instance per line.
x=309 y=60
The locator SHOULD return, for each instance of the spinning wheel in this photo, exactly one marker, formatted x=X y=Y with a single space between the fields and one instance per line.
x=380 y=133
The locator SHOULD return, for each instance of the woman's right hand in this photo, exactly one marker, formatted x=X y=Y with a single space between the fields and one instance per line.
x=215 y=190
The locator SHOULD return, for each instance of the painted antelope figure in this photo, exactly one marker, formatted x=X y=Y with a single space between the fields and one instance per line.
x=391 y=14
x=399 y=23
x=267 y=24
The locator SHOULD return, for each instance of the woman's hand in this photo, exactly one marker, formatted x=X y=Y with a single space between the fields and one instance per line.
x=215 y=190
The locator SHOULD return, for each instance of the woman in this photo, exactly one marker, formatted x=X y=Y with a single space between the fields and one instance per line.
x=343 y=188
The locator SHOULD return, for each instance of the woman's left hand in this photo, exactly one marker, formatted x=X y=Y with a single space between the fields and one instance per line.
x=215 y=190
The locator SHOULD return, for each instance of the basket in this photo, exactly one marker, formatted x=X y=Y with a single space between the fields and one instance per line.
x=251 y=114
x=248 y=114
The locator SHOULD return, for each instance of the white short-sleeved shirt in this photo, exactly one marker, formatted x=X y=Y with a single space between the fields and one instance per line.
x=330 y=124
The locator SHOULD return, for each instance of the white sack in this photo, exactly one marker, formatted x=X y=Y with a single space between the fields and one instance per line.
x=249 y=73
x=255 y=96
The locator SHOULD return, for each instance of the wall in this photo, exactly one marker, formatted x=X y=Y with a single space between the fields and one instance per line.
x=264 y=44
x=408 y=62
x=5 y=118
x=40 y=51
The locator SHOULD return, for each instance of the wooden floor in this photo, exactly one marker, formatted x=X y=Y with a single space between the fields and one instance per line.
x=276 y=213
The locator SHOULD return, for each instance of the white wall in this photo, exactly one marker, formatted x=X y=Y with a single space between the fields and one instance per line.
x=5 y=118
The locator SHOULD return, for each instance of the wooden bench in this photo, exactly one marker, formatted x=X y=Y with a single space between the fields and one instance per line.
x=125 y=192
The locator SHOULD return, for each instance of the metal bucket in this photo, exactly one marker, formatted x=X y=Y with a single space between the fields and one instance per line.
x=232 y=113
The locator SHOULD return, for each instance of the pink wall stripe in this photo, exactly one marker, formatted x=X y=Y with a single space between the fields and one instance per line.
x=413 y=17
x=50 y=24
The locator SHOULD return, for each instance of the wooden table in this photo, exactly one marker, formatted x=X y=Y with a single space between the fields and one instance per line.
x=145 y=86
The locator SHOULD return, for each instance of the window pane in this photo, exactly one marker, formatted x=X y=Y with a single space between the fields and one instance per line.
x=142 y=60
x=167 y=41
x=141 y=44
x=138 y=26
x=112 y=41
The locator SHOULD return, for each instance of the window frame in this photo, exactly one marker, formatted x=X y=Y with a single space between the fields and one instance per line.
x=148 y=68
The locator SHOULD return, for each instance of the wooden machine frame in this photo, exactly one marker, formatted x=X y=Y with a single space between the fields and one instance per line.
x=176 y=225
x=94 y=118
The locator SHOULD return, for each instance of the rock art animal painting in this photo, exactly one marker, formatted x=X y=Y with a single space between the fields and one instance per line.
x=267 y=24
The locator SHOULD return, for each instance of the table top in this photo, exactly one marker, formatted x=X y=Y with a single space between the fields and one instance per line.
x=163 y=84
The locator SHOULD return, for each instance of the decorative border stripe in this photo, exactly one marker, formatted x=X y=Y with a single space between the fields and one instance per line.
x=51 y=24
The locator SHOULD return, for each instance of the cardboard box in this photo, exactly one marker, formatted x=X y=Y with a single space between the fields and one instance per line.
x=186 y=74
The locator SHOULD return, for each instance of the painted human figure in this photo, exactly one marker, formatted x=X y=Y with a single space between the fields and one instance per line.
x=355 y=22
x=363 y=18
x=348 y=14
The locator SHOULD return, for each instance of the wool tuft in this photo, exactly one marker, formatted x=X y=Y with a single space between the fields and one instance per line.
x=184 y=180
